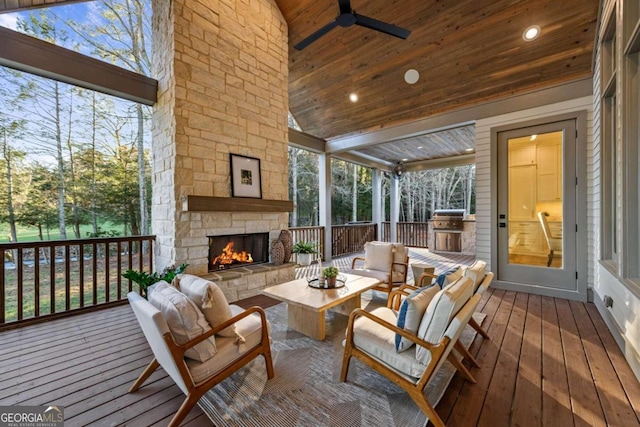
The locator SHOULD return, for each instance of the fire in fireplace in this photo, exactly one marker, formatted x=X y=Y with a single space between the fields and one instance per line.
x=237 y=250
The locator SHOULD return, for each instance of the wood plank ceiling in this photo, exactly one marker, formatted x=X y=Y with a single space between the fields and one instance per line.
x=7 y=6
x=467 y=52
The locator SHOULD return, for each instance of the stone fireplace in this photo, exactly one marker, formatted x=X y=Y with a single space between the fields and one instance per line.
x=237 y=250
x=222 y=71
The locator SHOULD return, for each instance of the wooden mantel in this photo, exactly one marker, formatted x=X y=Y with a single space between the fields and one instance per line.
x=234 y=204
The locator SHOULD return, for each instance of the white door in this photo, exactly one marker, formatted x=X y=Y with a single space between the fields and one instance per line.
x=537 y=206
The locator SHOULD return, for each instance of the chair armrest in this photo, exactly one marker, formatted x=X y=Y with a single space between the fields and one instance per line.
x=353 y=263
x=425 y=276
x=226 y=324
x=408 y=288
x=395 y=298
x=361 y=313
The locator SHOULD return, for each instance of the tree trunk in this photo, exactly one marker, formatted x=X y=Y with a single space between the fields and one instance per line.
x=61 y=197
x=354 y=195
x=12 y=218
x=94 y=124
x=73 y=190
x=142 y=183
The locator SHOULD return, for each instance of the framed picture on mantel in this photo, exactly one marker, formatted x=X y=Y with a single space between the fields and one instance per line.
x=245 y=177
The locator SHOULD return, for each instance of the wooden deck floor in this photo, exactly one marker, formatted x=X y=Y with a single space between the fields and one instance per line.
x=549 y=362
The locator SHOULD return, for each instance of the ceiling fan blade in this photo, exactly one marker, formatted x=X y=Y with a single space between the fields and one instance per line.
x=315 y=36
x=383 y=27
x=345 y=6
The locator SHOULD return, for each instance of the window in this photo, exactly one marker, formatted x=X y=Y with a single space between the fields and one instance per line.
x=609 y=157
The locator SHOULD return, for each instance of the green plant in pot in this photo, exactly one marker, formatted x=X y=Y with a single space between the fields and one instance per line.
x=304 y=251
x=144 y=279
x=330 y=275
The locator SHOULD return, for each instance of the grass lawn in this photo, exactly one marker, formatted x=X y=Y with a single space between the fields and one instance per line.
x=30 y=234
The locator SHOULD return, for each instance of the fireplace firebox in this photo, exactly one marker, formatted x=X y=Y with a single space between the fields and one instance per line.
x=237 y=250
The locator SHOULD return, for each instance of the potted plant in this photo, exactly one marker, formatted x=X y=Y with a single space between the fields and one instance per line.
x=330 y=274
x=144 y=279
x=305 y=251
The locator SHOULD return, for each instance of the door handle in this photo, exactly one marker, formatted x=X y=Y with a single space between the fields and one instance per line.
x=502 y=225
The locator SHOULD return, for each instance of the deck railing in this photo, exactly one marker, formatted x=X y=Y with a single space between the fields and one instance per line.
x=47 y=278
x=349 y=239
x=314 y=235
x=409 y=233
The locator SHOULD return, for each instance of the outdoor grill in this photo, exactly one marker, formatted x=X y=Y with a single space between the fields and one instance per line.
x=448 y=219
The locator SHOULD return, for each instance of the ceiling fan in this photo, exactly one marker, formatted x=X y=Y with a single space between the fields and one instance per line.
x=347 y=18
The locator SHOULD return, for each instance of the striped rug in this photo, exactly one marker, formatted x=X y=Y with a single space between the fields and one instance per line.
x=307 y=390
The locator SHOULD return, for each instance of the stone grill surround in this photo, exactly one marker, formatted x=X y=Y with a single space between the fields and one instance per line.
x=222 y=68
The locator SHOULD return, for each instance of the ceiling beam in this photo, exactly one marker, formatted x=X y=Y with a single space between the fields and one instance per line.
x=28 y=54
x=549 y=95
x=305 y=141
x=446 y=162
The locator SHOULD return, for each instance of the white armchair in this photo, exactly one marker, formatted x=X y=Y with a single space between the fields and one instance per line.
x=372 y=338
x=194 y=377
x=387 y=262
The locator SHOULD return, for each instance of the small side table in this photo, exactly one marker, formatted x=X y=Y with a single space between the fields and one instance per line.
x=418 y=269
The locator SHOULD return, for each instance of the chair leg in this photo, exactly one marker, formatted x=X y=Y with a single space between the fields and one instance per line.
x=427 y=408
x=465 y=353
x=346 y=358
x=144 y=375
x=268 y=361
x=184 y=410
x=478 y=328
x=461 y=368
x=550 y=258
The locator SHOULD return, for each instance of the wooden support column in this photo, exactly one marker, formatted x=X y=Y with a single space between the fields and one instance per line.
x=324 y=193
x=376 y=201
x=395 y=209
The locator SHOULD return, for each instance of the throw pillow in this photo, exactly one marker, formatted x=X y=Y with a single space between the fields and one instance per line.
x=476 y=272
x=185 y=321
x=410 y=314
x=210 y=298
x=442 y=309
x=378 y=255
x=449 y=277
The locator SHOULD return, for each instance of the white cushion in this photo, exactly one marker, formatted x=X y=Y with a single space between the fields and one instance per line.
x=400 y=253
x=476 y=272
x=378 y=256
x=443 y=307
x=410 y=314
x=250 y=327
x=185 y=320
x=209 y=297
x=379 y=342
x=383 y=276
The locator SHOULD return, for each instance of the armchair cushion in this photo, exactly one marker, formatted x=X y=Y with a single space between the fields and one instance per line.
x=379 y=342
x=185 y=320
x=443 y=307
x=209 y=297
x=449 y=277
x=250 y=327
x=383 y=276
x=411 y=312
x=476 y=272
x=378 y=256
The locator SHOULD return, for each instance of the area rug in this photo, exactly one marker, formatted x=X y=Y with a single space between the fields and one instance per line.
x=307 y=390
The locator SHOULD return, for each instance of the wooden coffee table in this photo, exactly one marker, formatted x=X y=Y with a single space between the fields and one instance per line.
x=307 y=306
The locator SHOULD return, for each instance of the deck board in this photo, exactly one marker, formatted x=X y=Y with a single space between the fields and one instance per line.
x=548 y=362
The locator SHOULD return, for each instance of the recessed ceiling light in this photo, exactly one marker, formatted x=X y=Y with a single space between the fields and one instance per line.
x=533 y=137
x=353 y=97
x=531 y=33
x=404 y=160
x=419 y=147
x=468 y=150
x=411 y=76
